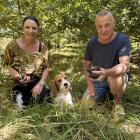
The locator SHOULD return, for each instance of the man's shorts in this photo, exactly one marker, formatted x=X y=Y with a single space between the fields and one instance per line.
x=102 y=89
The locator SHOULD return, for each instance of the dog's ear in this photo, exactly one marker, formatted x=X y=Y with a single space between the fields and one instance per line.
x=54 y=89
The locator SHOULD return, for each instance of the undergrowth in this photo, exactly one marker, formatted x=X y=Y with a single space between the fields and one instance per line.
x=50 y=122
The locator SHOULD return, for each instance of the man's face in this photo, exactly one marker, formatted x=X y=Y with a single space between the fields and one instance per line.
x=105 y=28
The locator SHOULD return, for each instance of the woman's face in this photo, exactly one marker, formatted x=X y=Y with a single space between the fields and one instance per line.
x=30 y=29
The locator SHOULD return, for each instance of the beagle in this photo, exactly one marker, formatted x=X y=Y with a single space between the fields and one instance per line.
x=60 y=90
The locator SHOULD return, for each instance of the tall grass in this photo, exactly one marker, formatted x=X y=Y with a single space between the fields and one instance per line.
x=50 y=122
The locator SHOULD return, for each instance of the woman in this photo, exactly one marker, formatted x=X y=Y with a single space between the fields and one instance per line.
x=27 y=60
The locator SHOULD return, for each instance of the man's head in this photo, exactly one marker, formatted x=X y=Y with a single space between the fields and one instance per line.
x=105 y=24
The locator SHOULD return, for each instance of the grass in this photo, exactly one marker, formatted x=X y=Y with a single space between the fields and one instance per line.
x=50 y=122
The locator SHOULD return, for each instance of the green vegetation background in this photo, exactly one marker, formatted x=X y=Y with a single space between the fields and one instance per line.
x=66 y=26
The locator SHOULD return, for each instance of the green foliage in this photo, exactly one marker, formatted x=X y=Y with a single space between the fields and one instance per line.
x=73 y=17
x=127 y=13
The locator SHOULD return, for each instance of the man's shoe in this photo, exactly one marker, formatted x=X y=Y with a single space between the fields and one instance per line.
x=118 y=112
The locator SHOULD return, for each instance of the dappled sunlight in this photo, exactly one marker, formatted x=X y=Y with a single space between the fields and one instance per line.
x=49 y=121
x=4 y=42
x=69 y=50
x=65 y=27
x=131 y=125
x=10 y=130
x=65 y=52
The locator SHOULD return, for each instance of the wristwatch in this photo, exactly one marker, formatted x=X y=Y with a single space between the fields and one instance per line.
x=42 y=83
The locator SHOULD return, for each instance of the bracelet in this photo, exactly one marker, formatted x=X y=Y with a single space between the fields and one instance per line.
x=41 y=82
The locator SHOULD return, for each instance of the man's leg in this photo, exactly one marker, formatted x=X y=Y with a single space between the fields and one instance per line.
x=117 y=86
x=101 y=91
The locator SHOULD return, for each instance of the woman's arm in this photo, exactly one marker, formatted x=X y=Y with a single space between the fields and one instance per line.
x=39 y=86
x=44 y=76
x=13 y=73
x=17 y=76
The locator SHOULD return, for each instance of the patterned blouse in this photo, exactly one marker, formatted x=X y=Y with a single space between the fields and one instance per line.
x=25 y=62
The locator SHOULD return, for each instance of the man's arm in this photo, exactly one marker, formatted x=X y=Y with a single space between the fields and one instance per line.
x=90 y=86
x=117 y=70
x=121 y=68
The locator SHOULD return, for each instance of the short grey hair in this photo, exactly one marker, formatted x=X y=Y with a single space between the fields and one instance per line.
x=104 y=12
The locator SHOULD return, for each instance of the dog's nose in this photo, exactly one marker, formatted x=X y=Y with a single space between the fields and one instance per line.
x=65 y=84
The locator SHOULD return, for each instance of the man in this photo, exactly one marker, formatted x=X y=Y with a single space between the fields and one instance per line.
x=110 y=51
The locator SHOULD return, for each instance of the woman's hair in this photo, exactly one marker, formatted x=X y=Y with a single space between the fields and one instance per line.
x=31 y=18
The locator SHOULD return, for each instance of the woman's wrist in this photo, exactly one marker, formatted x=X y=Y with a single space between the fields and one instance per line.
x=42 y=82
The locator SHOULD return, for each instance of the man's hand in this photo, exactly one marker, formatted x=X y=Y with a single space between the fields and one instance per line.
x=102 y=74
x=91 y=74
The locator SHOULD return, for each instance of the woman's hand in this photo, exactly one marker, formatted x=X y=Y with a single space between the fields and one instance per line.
x=24 y=78
x=37 y=89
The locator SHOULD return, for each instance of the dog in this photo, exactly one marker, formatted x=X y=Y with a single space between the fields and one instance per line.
x=60 y=90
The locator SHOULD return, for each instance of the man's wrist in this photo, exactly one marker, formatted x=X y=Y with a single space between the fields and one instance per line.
x=110 y=71
x=107 y=72
x=42 y=83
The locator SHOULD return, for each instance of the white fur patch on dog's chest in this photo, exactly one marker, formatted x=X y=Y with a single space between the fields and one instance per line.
x=63 y=99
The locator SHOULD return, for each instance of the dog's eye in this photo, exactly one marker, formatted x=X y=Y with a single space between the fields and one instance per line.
x=65 y=78
x=59 y=80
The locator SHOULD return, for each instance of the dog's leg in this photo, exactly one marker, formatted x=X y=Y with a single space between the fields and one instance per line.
x=69 y=99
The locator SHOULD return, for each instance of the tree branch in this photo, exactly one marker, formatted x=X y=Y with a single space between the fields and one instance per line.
x=19 y=8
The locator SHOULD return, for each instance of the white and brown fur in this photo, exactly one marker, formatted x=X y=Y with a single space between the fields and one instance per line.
x=60 y=90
